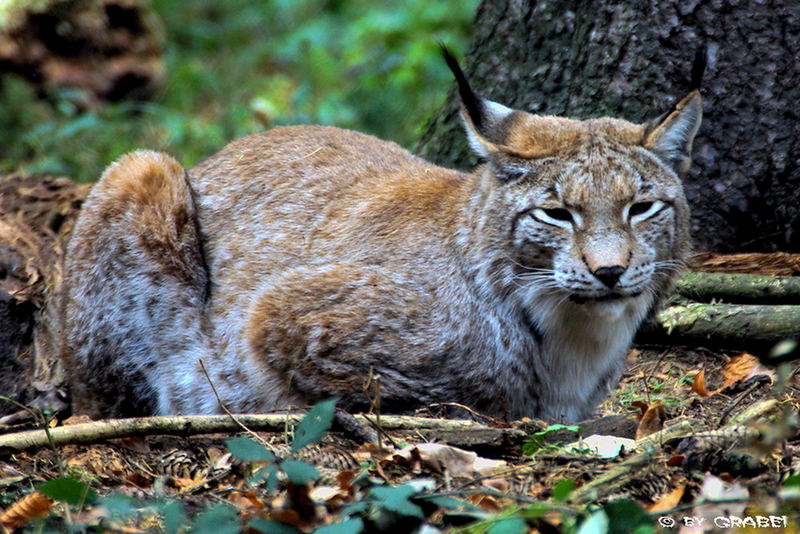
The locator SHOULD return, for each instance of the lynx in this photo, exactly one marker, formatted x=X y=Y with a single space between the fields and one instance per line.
x=304 y=262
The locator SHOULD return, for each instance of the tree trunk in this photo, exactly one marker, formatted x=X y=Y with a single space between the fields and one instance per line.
x=633 y=60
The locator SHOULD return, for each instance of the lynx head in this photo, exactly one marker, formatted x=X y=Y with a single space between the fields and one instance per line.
x=588 y=210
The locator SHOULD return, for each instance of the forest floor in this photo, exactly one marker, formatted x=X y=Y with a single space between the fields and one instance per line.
x=692 y=440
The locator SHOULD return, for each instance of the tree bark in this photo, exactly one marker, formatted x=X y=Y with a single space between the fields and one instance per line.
x=633 y=60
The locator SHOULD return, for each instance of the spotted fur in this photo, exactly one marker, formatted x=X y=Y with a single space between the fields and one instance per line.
x=301 y=262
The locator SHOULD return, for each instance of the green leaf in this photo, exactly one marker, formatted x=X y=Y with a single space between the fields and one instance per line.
x=68 y=490
x=299 y=472
x=269 y=473
x=314 y=425
x=219 y=519
x=509 y=525
x=792 y=480
x=174 y=516
x=248 y=450
x=562 y=490
x=397 y=500
x=626 y=516
x=536 y=441
x=349 y=526
x=597 y=523
x=555 y=428
x=269 y=526
x=120 y=506
x=535 y=510
x=272 y=478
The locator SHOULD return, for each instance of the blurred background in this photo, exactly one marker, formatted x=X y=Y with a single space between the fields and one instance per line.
x=83 y=82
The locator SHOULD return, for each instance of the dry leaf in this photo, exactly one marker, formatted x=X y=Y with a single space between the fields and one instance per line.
x=25 y=510
x=699 y=384
x=642 y=408
x=742 y=367
x=676 y=461
x=668 y=502
x=183 y=482
x=438 y=458
x=345 y=479
x=485 y=502
x=367 y=452
x=247 y=502
x=77 y=420
x=328 y=495
x=288 y=516
x=652 y=421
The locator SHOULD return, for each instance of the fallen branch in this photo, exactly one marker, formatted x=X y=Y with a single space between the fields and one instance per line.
x=701 y=448
x=739 y=288
x=723 y=324
x=638 y=470
x=189 y=425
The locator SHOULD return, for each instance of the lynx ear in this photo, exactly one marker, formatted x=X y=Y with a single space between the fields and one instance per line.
x=671 y=135
x=480 y=116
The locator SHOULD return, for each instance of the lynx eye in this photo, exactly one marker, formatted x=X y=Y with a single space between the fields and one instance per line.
x=554 y=216
x=640 y=211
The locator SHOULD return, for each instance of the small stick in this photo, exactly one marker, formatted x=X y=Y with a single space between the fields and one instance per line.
x=233 y=417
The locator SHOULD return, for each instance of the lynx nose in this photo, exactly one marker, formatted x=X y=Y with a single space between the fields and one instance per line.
x=609 y=275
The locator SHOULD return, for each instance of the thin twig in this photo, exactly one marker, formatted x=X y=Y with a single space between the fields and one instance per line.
x=473 y=412
x=380 y=432
x=374 y=383
x=228 y=412
x=40 y=418
x=736 y=402
x=646 y=378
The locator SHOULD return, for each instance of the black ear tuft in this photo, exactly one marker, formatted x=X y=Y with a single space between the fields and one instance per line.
x=473 y=104
x=699 y=66
x=698 y=70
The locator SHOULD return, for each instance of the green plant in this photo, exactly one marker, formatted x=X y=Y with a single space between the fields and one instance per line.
x=536 y=442
x=236 y=68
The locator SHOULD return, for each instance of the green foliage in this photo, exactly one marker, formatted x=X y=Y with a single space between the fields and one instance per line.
x=536 y=441
x=397 y=500
x=626 y=516
x=562 y=490
x=792 y=481
x=299 y=472
x=219 y=519
x=349 y=526
x=269 y=526
x=248 y=450
x=239 y=67
x=314 y=425
x=68 y=490
x=173 y=517
x=508 y=525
